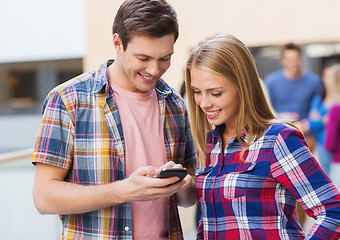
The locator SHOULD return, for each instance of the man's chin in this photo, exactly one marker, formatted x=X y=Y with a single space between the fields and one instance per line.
x=146 y=87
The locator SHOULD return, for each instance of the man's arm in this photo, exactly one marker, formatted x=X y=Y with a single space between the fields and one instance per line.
x=53 y=195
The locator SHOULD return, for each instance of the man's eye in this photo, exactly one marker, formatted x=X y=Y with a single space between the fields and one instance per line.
x=144 y=59
x=164 y=59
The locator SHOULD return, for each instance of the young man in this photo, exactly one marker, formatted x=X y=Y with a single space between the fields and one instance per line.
x=291 y=89
x=105 y=135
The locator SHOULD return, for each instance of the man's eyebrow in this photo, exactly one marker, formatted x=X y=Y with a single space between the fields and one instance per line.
x=168 y=55
x=147 y=56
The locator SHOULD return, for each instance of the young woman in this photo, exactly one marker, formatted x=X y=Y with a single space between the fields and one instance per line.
x=332 y=136
x=316 y=122
x=252 y=168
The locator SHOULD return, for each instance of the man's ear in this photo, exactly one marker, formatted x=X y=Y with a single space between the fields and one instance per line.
x=117 y=43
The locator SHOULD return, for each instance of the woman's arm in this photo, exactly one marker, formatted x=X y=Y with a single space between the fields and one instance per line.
x=298 y=171
x=333 y=128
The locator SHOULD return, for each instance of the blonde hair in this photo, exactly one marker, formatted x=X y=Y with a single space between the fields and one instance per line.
x=333 y=83
x=227 y=56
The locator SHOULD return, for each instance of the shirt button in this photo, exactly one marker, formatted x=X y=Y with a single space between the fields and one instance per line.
x=126 y=228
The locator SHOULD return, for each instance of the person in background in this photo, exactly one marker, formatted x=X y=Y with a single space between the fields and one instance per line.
x=332 y=136
x=317 y=120
x=253 y=168
x=291 y=91
x=106 y=134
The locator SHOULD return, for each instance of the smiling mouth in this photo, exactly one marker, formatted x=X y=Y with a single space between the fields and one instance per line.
x=147 y=78
x=212 y=113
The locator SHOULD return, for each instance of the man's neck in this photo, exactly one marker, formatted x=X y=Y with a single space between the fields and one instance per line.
x=293 y=74
x=115 y=74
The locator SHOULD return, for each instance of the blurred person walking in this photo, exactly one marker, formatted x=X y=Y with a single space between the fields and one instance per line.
x=317 y=119
x=253 y=168
x=291 y=91
x=105 y=135
x=332 y=137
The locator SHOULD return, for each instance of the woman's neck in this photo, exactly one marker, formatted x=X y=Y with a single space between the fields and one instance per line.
x=228 y=134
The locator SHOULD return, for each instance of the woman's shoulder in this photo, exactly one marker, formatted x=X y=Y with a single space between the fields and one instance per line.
x=283 y=129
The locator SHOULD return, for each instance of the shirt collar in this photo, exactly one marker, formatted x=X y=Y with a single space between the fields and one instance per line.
x=101 y=79
x=218 y=131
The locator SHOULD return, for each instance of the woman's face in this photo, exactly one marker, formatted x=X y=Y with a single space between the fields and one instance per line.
x=216 y=95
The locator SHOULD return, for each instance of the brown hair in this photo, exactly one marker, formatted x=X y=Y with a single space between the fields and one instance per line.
x=290 y=46
x=155 y=18
x=227 y=56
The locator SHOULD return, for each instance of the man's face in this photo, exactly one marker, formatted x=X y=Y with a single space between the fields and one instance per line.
x=291 y=61
x=143 y=62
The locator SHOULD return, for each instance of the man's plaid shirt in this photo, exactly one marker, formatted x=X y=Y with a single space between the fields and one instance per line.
x=81 y=131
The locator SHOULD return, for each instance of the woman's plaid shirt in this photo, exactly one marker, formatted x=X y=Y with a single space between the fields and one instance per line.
x=256 y=198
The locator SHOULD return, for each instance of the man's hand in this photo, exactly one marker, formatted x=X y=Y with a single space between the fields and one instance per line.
x=143 y=185
x=186 y=194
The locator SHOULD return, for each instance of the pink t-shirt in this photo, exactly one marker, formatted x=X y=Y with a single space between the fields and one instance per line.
x=144 y=146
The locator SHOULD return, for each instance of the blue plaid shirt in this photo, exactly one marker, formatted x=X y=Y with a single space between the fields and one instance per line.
x=256 y=198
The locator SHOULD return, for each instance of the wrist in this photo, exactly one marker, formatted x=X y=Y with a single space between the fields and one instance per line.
x=116 y=192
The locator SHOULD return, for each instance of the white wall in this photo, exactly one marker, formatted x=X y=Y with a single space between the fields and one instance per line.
x=41 y=30
x=256 y=23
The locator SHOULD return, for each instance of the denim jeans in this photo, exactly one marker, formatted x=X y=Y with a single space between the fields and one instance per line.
x=335 y=174
x=324 y=157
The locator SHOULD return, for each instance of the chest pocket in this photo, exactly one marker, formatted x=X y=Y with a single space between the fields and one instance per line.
x=235 y=183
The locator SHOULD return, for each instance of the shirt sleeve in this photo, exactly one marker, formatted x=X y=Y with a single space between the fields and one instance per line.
x=297 y=170
x=190 y=150
x=54 y=144
x=316 y=123
x=331 y=131
x=200 y=231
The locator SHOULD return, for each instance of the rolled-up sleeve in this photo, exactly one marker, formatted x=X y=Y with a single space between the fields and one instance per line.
x=54 y=144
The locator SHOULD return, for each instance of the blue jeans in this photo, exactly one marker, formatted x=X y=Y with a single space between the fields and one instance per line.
x=334 y=174
x=324 y=157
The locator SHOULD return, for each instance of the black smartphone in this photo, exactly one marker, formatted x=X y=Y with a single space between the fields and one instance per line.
x=173 y=172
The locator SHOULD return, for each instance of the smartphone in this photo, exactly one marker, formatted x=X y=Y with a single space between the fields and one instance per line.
x=173 y=172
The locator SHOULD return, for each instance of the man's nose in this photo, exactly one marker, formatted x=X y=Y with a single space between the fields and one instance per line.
x=153 y=68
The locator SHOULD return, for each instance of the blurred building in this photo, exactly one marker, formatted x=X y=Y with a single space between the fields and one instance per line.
x=44 y=43
x=263 y=25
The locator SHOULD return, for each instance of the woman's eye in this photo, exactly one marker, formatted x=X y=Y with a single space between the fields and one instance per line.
x=195 y=91
x=216 y=94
